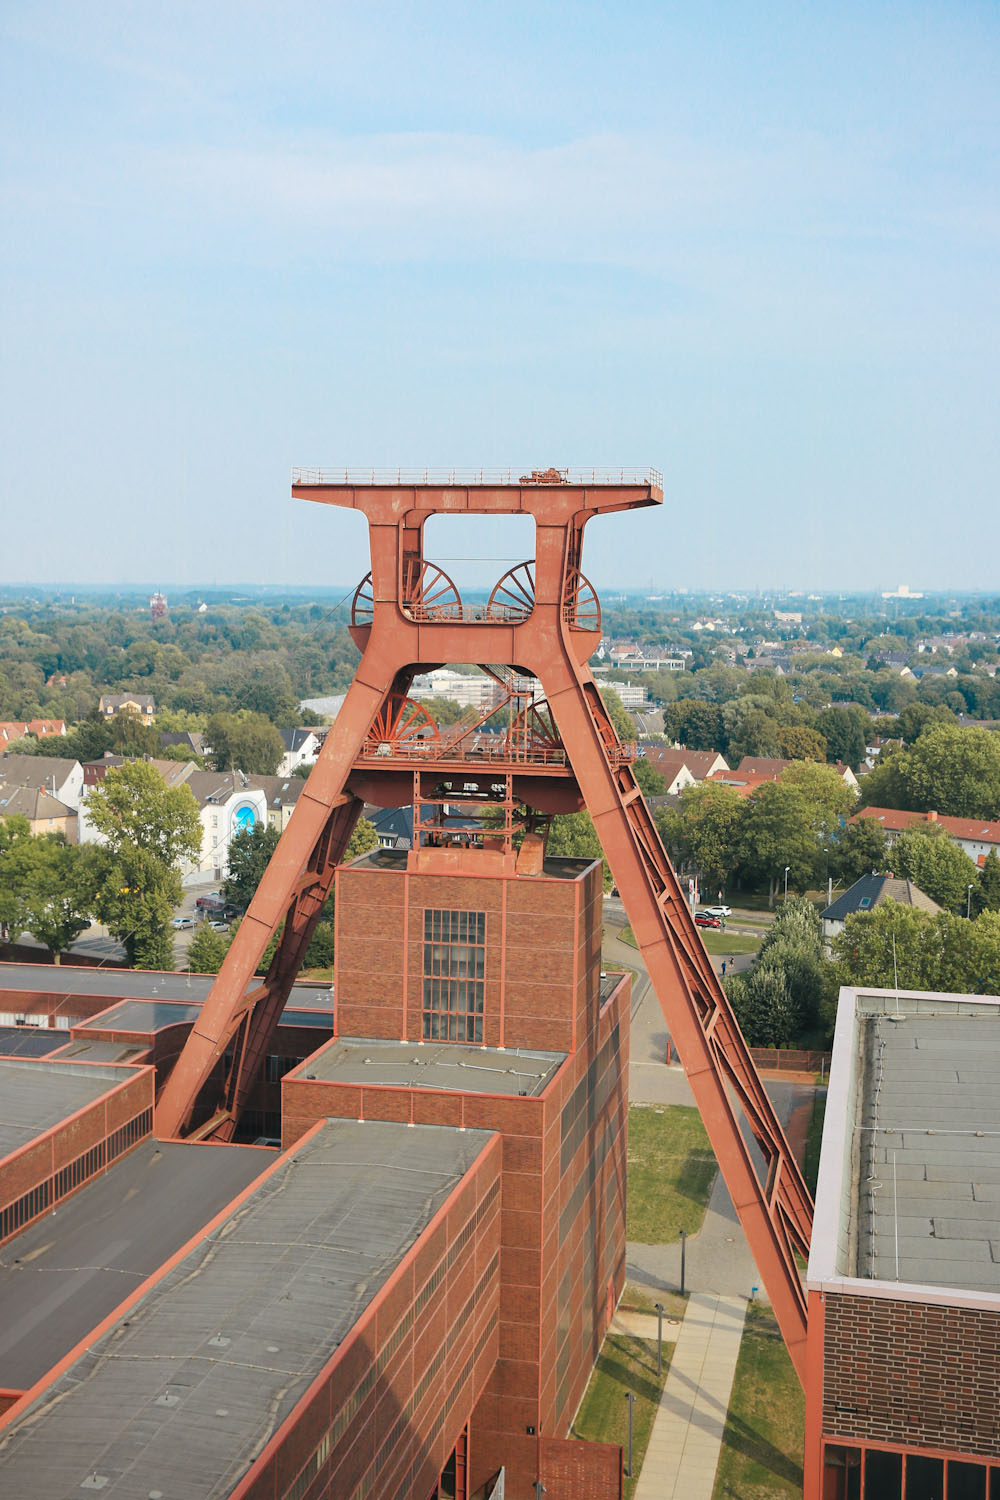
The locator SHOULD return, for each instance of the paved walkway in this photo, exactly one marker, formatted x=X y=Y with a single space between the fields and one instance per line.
x=684 y=1445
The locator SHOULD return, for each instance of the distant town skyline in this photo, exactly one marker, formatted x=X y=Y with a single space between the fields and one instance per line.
x=754 y=246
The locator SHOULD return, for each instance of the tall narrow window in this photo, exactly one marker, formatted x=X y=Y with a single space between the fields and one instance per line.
x=454 y=965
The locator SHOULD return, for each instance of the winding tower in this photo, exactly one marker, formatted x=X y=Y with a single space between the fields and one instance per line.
x=560 y=753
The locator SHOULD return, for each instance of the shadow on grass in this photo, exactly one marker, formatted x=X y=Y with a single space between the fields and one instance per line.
x=744 y=1440
x=623 y=1374
x=696 y=1175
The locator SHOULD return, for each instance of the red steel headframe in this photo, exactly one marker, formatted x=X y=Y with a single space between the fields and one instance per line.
x=406 y=615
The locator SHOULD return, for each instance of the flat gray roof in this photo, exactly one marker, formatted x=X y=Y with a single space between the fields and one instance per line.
x=30 y=1041
x=185 y=1391
x=36 y=1094
x=136 y=984
x=556 y=868
x=909 y=1185
x=929 y=1153
x=434 y=1065
x=62 y=1275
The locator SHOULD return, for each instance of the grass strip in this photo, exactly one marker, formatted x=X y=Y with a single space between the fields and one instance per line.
x=670 y=1172
x=761 y=1456
x=624 y=1364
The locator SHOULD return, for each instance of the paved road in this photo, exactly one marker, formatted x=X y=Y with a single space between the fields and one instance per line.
x=717 y=1258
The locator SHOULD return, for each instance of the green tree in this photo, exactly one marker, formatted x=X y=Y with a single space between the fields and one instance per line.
x=954 y=771
x=749 y=730
x=320 y=953
x=148 y=829
x=245 y=741
x=987 y=897
x=695 y=724
x=207 y=950
x=362 y=840
x=136 y=896
x=619 y=715
x=890 y=945
x=858 y=849
x=828 y=799
x=764 y=1006
x=649 y=779
x=573 y=836
x=846 y=733
x=777 y=831
x=13 y=833
x=131 y=737
x=134 y=808
x=936 y=864
x=249 y=853
x=799 y=742
x=702 y=832
x=442 y=710
x=58 y=884
x=915 y=718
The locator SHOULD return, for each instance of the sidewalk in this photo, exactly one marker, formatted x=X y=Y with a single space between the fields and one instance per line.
x=684 y=1445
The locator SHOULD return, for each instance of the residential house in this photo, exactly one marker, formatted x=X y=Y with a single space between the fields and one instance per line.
x=867 y=893
x=975 y=836
x=281 y=793
x=680 y=768
x=140 y=704
x=192 y=741
x=301 y=749
x=60 y=776
x=394 y=825
x=13 y=729
x=770 y=767
x=45 y=813
x=228 y=804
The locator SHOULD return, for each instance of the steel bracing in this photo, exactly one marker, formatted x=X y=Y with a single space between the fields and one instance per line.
x=541 y=620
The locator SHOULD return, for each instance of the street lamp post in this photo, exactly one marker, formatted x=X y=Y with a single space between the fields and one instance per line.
x=659 y=1337
x=630 y=1398
x=683 y=1257
x=787 y=868
x=968 y=902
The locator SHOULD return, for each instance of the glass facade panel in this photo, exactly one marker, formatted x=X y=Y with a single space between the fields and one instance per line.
x=883 y=1474
x=924 y=1477
x=841 y=1473
x=966 y=1481
x=454 y=969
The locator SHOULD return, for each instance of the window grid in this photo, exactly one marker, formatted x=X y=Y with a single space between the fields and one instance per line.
x=454 y=970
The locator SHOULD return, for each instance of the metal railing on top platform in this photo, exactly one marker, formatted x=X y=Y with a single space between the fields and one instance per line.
x=447 y=477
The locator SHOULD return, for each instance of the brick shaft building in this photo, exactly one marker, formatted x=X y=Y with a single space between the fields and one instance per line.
x=537 y=1050
x=904 y=1271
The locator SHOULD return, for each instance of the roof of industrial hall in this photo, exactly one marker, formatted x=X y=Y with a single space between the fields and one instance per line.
x=36 y=1093
x=135 y=984
x=433 y=1065
x=183 y=1393
x=63 y=1274
x=909 y=1188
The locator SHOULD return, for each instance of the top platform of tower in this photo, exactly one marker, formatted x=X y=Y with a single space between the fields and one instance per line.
x=544 y=493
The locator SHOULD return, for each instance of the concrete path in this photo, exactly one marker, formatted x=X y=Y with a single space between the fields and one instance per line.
x=684 y=1445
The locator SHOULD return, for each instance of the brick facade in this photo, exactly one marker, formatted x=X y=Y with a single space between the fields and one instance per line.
x=562 y=1220
x=912 y=1374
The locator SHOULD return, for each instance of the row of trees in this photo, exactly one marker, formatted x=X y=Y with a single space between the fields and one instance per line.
x=130 y=882
x=789 y=997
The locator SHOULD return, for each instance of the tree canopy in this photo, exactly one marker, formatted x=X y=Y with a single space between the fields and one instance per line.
x=246 y=742
x=947 y=770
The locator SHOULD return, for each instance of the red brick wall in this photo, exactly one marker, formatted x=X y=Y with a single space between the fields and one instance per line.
x=912 y=1374
x=571 y=1470
x=368 y=1409
x=542 y=947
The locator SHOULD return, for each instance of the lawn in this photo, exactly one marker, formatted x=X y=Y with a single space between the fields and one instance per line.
x=761 y=1455
x=624 y=1364
x=670 y=1172
x=720 y=944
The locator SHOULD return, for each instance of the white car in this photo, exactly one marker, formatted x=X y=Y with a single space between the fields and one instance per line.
x=180 y=922
x=219 y=926
x=717 y=911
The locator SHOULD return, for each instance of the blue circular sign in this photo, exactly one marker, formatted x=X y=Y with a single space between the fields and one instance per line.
x=244 y=817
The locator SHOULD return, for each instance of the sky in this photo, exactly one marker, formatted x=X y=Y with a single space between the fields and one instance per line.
x=752 y=245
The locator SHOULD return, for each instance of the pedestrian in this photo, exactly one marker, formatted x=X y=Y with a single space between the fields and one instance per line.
x=723 y=968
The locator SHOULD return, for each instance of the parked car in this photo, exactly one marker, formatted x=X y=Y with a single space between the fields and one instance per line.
x=718 y=911
x=706 y=919
x=182 y=922
x=217 y=926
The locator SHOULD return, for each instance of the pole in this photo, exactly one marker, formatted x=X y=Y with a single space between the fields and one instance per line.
x=683 y=1257
x=631 y=1403
x=968 y=902
x=659 y=1337
x=787 y=868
